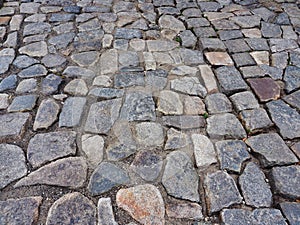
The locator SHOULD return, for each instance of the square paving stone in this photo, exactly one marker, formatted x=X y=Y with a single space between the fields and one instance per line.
x=218 y=103
x=219 y=58
x=237 y=45
x=271 y=150
x=23 y=103
x=230 y=34
x=243 y=59
x=205 y=32
x=12 y=124
x=252 y=71
x=230 y=79
x=265 y=88
x=258 y=44
x=244 y=100
x=255 y=119
x=212 y=44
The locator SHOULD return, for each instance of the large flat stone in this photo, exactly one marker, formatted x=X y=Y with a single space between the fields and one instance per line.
x=271 y=150
x=12 y=124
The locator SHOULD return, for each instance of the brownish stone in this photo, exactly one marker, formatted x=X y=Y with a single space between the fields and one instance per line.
x=144 y=203
x=219 y=58
x=265 y=88
x=4 y=20
x=184 y=211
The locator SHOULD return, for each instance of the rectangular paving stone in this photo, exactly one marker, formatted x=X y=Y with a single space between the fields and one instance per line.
x=212 y=44
x=184 y=122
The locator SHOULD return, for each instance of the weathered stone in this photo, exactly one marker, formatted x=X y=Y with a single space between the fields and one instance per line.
x=270 y=30
x=50 y=84
x=243 y=59
x=237 y=45
x=23 y=61
x=260 y=57
x=105 y=212
x=192 y=211
x=271 y=150
x=292 y=78
x=8 y=83
x=286 y=180
x=25 y=210
x=102 y=80
x=219 y=58
x=188 y=39
x=105 y=177
x=13 y=165
x=193 y=105
x=189 y=57
x=246 y=21
x=170 y=22
x=217 y=103
x=53 y=60
x=265 y=88
x=244 y=100
x=231 y=154
x=43 y=148
x=76 y=71
x=92 y=146
x=156 y=79
x=147 y=165
x=236 y=216
x=221 y=191
x=46 y=114
x=7 y=56
x=230 y=79
x=36 y=28
x=180 y=178
x=267 y=216
x=286 y=119
x=212 y=44
x=102 y=116
x=27 y=86
x=161 y=45
x=169 y=103
x=225 y=125
x=74 y=208
x=255 y=119
x=108 y=62
x=128 y=58
x=73 y=175
x=252 y=71
x=149 y=134
x=37 y=70
x=230 y=34
x=71 y=113
x=138 y=106
x=278 y=44
x=107 y=93
x=255 y=189
x=61 y=41
x=208 y=78
x=184 y=121
x=37 y=49
x=176 y=139
x=4 y=101
x=204 y=150
x=23 y=103
x=129 y=79
x=125 y=33
x=12 y=124
x=76 y=87
x=291 y=210
x=144 y=203
x=188 y=85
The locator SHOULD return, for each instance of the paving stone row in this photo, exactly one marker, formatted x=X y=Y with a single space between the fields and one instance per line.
x=149 y=112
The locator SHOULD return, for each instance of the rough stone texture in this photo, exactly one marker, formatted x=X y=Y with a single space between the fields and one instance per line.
x=236 y=216
x=204 y=150
x=92 y=146
x=169 y=103
x=191 y=211
x=73 y=175
x=149 y=134
x=180 y=178
x=188 y=85
x=102 y=116
x=225 y=125
x=4 y=103
x=8 y=83
x=105 y=177
x=255 y=190
x=268 y=216
x=292 y=78
x=265 y=88
x=76 y=87
x=72 y=110
x=286 y=119
x=144 y=203
x=244 y=100
x=231 y=154
x=24 y=210
x=293 y=99
x=12 y=124
x=13 y=165
x=255 y=119
x=176 y=139
x=221 y=191
x=138 y=106
x=23 y=103
x=43 y=148
x=46 y=114
x=37 y=49
x=291 y=210
x=286 y=180
x=105 y=212
x=217 y=103
x=271 y=150
x=50 y=84
x=184 y=122
x=219 y=58
x=72 y=208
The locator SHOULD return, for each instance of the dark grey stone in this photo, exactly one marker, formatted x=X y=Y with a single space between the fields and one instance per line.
x=209 y=6
x=271 y=150
x=184 y=121
x=105 y=177
x=205 y=32
x=67 y=172
x=270 y=30
x=291 y=210
x=292 y=78
x=282 y=19
x=138 y=106
x=252 y=71
x=72 y=9
x=267 y=217
x=61 y=17
x=255 y=119
x=102 y=116
x=293 y=99
x=244 y=100
x=230 y=34
x=36 y=28
x=23 y=103
x=217 y=103
x=246 y=21
x=180 y=179
x=212 y=44
x=47 y=147
x=258 y=44
x=237 y=45
x=147 y=165
x=266 y=14
x=72 y=208
x=8 y=83
x=118 y=151
x=129 y=79
x=76 y=71
x=191 y=57
x=188 y=39
x=225 y=125
x=230 y=79
x=168 y=11
x=71 y=113
x=287 y=180
x=20 y=211
x=62 y=40
x=24 y=61
x=295 y=58
x=176 y=139
x=231 y=154
x=280 y=44
x=50 y=84
x=243 y=59
x=37 y=70
x=286 y=119
x=236 y=216
x=12 y=124
x=221 y=191
x=125 y=33
x=156 y=79
x=13 y=165
x=255 y=189
x=107 y=93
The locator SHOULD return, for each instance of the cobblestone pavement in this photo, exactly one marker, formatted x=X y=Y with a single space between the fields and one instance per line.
x=150 y=112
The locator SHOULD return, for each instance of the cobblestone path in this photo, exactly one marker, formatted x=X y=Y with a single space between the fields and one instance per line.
x=150 y=112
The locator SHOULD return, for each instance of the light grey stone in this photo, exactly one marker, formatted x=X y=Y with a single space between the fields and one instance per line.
x=46 y=115
x=105 y=212
x=23 y=103
x=244 y=100
x=169 y=103
x=92 y=146
x=71 y=113
x=149 y=134
x=76 y=87
x=36 y=49
x=13 y=124
x=176 y=139
x=37 y=70
x=218 y=103
x=189 y=85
